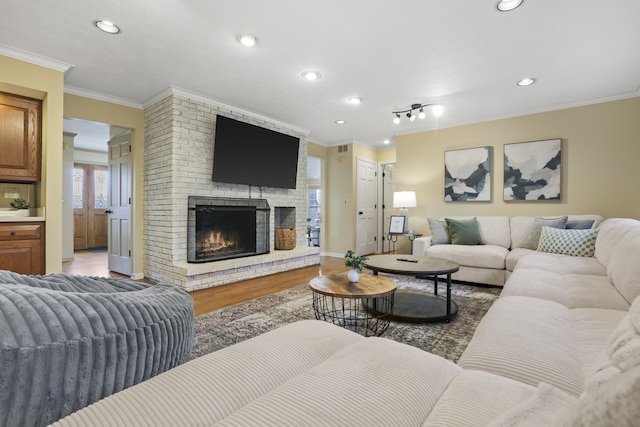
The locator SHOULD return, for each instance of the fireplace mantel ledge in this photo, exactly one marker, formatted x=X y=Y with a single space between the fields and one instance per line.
x=192 y=269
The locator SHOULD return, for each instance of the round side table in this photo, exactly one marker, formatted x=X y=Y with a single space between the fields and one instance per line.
x=341 y=302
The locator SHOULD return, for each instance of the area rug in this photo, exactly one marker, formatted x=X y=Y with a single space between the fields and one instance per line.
x=231 y=325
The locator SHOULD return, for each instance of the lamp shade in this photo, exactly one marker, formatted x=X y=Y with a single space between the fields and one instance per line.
x=404 y=199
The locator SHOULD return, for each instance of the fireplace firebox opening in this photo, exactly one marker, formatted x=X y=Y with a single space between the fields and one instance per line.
x=224 y=228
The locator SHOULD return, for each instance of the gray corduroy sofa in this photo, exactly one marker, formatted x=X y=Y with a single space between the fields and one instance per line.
x=560 y=347
x=68 y=341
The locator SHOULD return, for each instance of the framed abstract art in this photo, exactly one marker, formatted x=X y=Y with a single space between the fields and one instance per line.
x=533 y=170
x=467 y=175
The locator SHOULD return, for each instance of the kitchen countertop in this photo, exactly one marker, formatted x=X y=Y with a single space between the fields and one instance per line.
x=4 y=219
x=34 y=215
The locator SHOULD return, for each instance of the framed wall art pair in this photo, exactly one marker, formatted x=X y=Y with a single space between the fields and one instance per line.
x=532 y=171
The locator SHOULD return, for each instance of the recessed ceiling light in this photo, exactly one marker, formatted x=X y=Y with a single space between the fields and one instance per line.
x=341 y=122
x=107 y=26
x=311 y=75
x=248 y=40
x=354 y=100
x=507 y=5
x=386 y=142
x=527 y=82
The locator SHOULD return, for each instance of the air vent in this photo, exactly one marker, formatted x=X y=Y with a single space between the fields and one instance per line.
x=343 y=148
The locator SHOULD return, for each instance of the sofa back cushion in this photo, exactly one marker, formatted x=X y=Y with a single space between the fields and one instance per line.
x=494 y=230
x=617 y=248
x=521 y=226
x=621 y=354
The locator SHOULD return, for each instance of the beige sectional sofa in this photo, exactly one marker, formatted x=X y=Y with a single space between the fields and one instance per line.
x=561 y=346
x=504 y=240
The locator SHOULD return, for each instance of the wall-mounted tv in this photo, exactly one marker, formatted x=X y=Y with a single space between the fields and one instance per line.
x=247 y=154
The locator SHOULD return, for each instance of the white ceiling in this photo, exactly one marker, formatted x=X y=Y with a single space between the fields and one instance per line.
x=462 y=54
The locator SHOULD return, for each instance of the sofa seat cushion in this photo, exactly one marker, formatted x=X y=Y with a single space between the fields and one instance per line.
x=562 y=264
x=485 y=256
x=487 y=276
x=570 y=290
x=305 y=373
x=373 y=382
x=528 y=340
x=514 y=256
x=475 y=398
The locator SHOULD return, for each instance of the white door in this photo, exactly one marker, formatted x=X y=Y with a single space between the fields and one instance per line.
x=389 y=186
x=366 y=207
x=119 y=204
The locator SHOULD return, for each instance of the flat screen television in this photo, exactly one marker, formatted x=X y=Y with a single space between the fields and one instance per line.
x=247 y=154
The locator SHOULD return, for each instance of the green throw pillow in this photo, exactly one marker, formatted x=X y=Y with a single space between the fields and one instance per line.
x=439 y=232
x=568 y=242
x=464 y=231
x=534 y=236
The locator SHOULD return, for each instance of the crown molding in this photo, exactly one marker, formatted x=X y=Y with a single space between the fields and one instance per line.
x=36 y=59
x=73 y=90
x=176 y=91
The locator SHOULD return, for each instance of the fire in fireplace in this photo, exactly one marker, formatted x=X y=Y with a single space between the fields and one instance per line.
x=222 y=228
x=225 y=231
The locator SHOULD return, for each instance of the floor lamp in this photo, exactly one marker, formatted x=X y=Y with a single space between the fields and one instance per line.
x=404 y=200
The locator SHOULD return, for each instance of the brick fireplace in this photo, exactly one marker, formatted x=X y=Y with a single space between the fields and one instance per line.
x=178 y=152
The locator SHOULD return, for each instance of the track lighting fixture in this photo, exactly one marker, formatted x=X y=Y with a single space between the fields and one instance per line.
x=436 y=109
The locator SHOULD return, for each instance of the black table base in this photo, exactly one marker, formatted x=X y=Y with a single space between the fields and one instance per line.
x=421 y=307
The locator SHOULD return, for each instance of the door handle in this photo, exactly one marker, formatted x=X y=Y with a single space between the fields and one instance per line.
x=108 y=211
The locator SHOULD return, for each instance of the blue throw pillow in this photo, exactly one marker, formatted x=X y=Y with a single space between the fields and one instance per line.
x=579 y=224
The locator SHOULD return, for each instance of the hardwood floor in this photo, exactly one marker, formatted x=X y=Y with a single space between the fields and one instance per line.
x=95 y=264
x=211 y=299
x=87 y=263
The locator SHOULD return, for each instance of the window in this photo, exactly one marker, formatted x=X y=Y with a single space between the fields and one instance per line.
x=314 y=205
x=78 y=188
x=100 y=182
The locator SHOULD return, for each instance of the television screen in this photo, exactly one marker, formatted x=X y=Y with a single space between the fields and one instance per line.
x=247 y=154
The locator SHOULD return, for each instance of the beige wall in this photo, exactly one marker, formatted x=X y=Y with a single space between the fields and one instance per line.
x=126 y=117
x=34 y=81
x=601 y=150
x=341 y=215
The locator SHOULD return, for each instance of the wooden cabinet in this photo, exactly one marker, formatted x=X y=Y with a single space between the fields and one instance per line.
x=22 y=247
x=20 y=138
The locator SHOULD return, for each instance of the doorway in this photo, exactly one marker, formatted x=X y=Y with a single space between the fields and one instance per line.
x=89 y=211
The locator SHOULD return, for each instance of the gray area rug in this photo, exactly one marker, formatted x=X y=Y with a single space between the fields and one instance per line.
x=231 y=325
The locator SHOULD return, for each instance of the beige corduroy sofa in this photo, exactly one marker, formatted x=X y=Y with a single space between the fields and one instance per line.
x=504 y=242
x=561 y=346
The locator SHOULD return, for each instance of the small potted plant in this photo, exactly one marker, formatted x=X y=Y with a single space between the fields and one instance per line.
x=355 y=263
x=20 y=204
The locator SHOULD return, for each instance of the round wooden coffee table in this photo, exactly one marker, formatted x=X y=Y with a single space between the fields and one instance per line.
x=341 y=302
x=413 y=305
